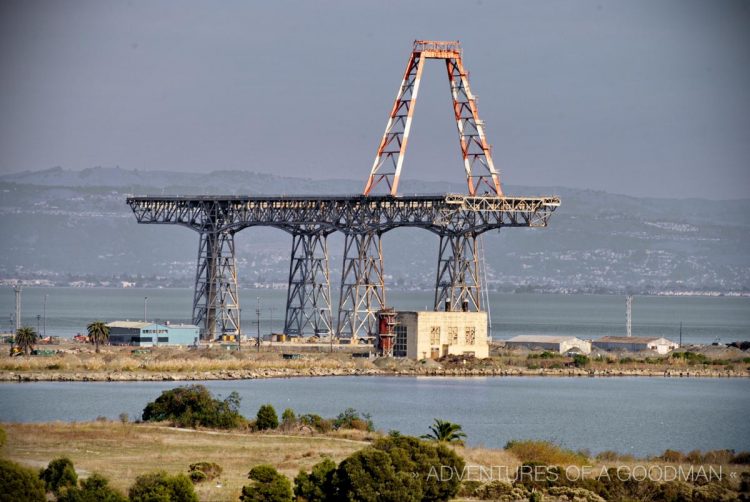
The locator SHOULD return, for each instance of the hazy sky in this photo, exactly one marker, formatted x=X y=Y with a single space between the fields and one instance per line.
x=637 y=97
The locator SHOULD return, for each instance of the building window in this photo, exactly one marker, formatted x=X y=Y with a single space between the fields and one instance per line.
x=435 y=335
x=163 y=339
x=453 y=335
x=470 y=335
x=399 y=348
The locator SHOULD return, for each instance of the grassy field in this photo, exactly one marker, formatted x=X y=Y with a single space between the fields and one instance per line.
x=123 y=451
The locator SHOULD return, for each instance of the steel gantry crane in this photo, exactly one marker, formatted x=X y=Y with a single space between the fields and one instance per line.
x=458 y=220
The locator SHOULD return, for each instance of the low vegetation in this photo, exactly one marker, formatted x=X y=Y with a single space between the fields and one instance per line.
x=544 y=453
x=267 y=486
x=193 y=406
x=327 y=468
x=395 y=468
x=20 y=484
x=157 y=486
x=204 y=471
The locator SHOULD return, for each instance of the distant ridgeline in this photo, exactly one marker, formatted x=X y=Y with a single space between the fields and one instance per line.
x=75 y=226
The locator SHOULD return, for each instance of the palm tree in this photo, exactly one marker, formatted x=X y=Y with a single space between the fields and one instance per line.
x=98 y=333
x=25 y=339
x=445 y=431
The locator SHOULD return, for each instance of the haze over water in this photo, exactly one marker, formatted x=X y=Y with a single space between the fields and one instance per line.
x=587 y=316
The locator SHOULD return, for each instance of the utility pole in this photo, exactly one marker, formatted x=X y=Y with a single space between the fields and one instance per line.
x=145 y=308
x=239 y=332
x=257 y=313
x=680 y=334
x=17 y=289
x=38 y=321
x=629 y=315
x=45 y=315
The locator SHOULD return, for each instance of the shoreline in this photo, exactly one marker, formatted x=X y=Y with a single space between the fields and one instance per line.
x=176 y=376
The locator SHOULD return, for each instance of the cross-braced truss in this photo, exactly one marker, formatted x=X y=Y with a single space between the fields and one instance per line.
x=457 y=219
x=362 y=285
x=363 y=219
x=457 y=286
x=481 y=175
x=308 y=301
x=216 y=304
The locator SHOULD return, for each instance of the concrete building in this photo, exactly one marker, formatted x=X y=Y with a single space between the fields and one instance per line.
x=634 y=344
x=148 y=334
x=559 y=344
x=432 y=335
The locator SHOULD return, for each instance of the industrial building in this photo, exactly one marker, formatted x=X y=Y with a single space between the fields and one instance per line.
x=559 y=344
x=634 y=344
x=148 y=334
x=432 y=335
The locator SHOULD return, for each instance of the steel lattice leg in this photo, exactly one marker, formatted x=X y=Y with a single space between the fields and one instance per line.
x=362 y=285
x=458 y=273
x=216 y=305
x=308 y=301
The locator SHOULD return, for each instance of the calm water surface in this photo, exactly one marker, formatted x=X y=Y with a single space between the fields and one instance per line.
x=642 y=416
x=588 y=316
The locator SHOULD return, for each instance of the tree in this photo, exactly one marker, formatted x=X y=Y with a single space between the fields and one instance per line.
x=445 y=432
x=267 y=418
x=370 y=476
x=437 y=467
x=193 y=405
x=94 y=489
x=288 y=418
x=268 y=486
x=25 y=339
x=161 y=487
x=20 y=484
x=59 y=474
x=318 y=486
x=351 y=419
x=98 y=333
x=399 y=468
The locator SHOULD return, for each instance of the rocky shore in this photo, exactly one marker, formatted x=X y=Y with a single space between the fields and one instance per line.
x=248 y=374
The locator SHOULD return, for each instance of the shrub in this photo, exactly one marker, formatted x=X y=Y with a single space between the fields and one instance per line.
x=204 y=471
x=579 y=360
x=318 y=486
x=197 y=477
x=351 y=419
x=20 y=484
x=194 y=405
x=369 y=476
x=59 y=474
x=741 y=458
x=316 y=422
x=124 y=418
x=544 y=453
x=94 y=489
x=394 y=468
x=267 y=418
x=268 y=486
x=3 y=437
x=288 y=418
x=607 y=456
x=160 y=486
x=672 y=456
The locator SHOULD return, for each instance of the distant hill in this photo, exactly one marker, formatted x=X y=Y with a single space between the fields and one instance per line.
x=63 y=225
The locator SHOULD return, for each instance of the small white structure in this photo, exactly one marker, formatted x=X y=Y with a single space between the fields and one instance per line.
x=634 y=344
x=432 y=335
x=559 y=344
